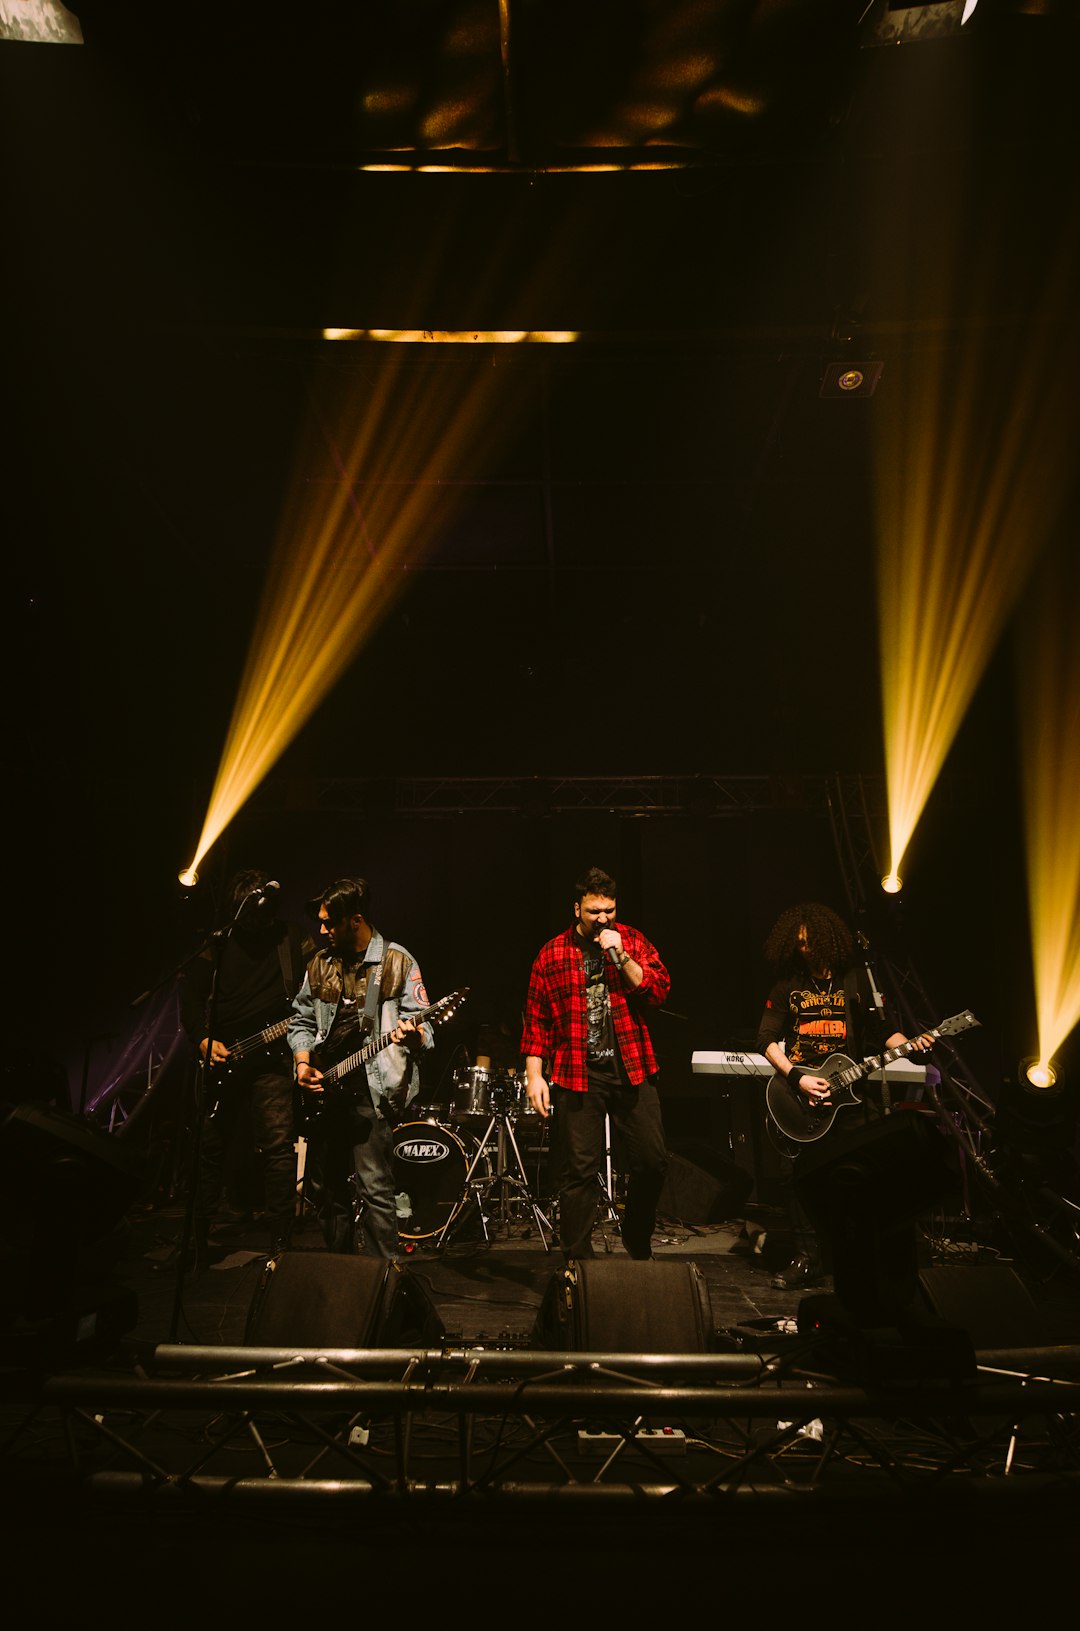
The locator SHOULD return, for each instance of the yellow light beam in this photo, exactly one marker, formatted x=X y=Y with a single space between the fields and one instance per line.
x=397 y=452
x=1048 y=658
x=973 y=469
x=344 y=554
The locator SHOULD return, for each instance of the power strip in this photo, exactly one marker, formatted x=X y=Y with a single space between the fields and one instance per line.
x=660 y=1440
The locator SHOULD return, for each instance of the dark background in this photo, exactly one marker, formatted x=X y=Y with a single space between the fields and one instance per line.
x=663 y=566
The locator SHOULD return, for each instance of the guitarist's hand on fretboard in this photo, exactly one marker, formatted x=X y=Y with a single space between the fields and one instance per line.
x=408 y=1034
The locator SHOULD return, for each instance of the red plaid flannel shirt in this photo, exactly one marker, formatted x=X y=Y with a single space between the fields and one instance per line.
x=555 y=1026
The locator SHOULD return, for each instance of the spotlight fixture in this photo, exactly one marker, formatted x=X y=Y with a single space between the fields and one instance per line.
x=188 y=877
x=850 y=378
x=892 y=883
x=1038 y=1076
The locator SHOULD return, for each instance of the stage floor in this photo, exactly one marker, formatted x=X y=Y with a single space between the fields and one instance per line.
x=738 y=1548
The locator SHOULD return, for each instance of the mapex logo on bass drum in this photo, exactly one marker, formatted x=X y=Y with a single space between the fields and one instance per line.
x=422 y=1149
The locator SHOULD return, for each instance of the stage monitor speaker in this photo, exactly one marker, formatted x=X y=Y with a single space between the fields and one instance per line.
x=618 y=1305
x=331 y=1300
x=703 y=1186
x=988 y=1301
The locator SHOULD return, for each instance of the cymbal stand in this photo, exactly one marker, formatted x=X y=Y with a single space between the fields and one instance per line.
x=509 y=1177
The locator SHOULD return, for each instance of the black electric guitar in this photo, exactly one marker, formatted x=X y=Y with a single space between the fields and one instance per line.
x=249 y=1044
x=335 y=1087
x=804 y=1120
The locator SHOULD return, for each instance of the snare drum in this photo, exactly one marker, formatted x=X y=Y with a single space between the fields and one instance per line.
x=430 y=1164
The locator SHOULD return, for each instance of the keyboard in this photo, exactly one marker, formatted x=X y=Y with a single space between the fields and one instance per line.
x=731 y=1064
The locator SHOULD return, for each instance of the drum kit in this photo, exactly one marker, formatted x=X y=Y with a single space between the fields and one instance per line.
x=467 y=1161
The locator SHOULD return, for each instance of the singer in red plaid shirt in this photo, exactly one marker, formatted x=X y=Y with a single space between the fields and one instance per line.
x=588 y=1054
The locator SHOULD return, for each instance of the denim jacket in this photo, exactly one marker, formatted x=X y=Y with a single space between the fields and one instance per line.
x=393 y=1074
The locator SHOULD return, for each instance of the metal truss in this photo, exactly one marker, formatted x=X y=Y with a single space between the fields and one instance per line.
x=713 y=796
x=251 y=1424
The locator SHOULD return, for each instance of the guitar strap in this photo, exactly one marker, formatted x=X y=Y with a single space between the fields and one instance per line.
x=371 y=996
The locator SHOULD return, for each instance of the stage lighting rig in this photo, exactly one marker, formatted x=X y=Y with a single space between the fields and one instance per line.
x=1040 y=1076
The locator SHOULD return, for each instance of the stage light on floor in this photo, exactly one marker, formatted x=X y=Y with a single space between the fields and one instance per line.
x=1038 y=1076
x=892 y=883
x=188 y=877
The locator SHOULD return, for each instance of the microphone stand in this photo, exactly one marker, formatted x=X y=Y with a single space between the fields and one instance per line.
x=879 y=1004
x=217 y=939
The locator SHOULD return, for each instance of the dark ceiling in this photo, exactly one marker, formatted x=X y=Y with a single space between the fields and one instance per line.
x=673 y=493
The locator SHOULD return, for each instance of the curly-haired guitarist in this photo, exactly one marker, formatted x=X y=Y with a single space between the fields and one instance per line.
x=821 y=1003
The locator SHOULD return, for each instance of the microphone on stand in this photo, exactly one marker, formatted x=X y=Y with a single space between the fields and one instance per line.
x=256 y=899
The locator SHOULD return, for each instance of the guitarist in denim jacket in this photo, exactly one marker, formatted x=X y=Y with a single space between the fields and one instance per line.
x=358 y=984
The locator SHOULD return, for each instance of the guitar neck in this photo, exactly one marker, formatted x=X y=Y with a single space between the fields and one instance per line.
x=878 y=1061
x=434 y=1015
x=261 y=1039
x=355 y=1060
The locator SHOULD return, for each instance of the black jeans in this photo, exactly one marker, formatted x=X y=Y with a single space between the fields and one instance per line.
x=637 y=1134
x=266 y=1098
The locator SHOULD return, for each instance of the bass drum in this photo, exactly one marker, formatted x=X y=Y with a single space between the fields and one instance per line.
x=430 y=1165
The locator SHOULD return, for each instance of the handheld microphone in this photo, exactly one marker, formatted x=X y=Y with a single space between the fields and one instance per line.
x=614 y=956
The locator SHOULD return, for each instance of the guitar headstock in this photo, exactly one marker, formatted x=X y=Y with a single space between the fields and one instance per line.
x=959 y=1022
x=446 y=1007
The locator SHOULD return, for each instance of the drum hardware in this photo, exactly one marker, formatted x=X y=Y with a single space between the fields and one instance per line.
x=508 y=1182
x=606 y=1180
x=479 y=1092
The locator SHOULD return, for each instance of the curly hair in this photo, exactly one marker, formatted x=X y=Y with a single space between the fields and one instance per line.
x=828 y=934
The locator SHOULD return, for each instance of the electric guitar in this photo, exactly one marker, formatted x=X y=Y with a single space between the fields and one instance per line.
x=336 y=1089
x=249 y=1044
x=805 y=1120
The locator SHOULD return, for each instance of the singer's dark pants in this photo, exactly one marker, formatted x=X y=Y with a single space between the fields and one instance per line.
x=638 y=1136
